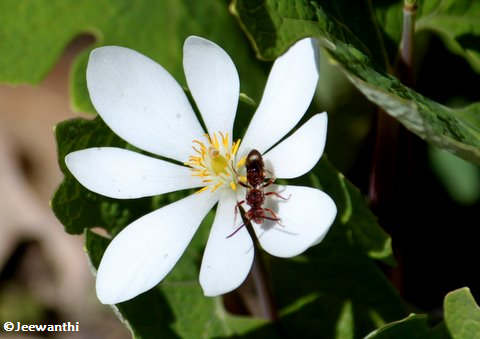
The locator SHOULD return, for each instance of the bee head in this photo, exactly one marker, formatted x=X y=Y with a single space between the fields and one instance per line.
x=254 y=158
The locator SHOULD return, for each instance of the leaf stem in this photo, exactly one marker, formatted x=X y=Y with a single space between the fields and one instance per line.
x=258 y=276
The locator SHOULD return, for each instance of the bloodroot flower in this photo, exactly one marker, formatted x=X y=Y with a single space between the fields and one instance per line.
x=141 y=102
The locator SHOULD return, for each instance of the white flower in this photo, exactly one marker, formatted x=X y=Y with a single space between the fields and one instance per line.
x=143 y=104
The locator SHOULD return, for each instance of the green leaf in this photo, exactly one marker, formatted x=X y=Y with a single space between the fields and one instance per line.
x=462 y=314
x=454 y=21
x=157 y=29
x=462 y=321
x=270 y=28
x=359 y=222
x=273 y=26
x=460 y=178
x=413 y=327
x=333 y=291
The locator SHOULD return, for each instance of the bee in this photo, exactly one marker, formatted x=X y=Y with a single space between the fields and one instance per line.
x=257 y=181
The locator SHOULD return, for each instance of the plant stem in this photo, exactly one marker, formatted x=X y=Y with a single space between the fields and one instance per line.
x=259 y=277
x=404 y=67
x=391 y=164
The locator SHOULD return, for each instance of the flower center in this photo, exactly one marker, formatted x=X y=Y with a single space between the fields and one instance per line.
x=214 y=162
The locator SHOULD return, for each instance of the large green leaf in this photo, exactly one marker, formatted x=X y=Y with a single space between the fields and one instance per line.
x=462 y=314
x=413 y=327
x=462 y=321
x=333 y=291
x=35 y=33
x=454 y=21
x=274 y=25
x=359 y=223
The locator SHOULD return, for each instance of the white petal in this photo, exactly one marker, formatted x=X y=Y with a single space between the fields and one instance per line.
x=141 y=102
x=297 y=154
x=213 y=80
x=122 y=174
x=306 y=218
x=142 y=254
x=288 y=93
x=226 y=261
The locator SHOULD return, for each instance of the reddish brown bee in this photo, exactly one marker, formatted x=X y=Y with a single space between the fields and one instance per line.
x=255 y=197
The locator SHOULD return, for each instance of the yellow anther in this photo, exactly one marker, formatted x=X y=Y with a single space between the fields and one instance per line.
x=233 y=186
x=208 y=138
x=202 y=189
x=196 y=150
x=241 y=162
x=224 y=139
x=215 y=141
x=199 y=143
x=194 y=159
x=203 y=173
x=214 y=188
x=242 y=179
x=235 y=147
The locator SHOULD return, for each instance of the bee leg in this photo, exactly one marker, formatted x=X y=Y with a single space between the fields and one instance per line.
x=275 y=217
x=236 y=210
x=234 y=232
x=243 y=184
x=268 y=182
x=278 y=195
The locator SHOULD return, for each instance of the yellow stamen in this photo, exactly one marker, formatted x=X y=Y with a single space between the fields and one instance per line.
x=214 y=188
x=235 y=146
x=224 y=139
x=213 y=161
x=202 y=174
x=242 y=179
x=215 y=141
x=202 y=189
x=194 y=159
x=241 y=162
x=208 y=138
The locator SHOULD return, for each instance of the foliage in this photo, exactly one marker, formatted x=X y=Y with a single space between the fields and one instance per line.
x=273 y=26
x=462 y=321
